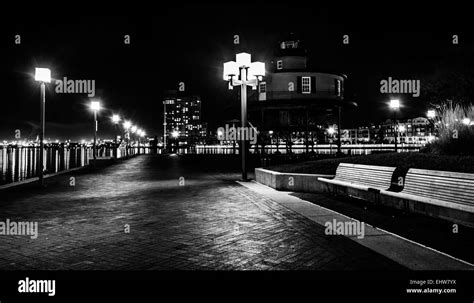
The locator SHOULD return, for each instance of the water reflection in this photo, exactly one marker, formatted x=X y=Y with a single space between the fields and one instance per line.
x=326 y=149
x=18 y=163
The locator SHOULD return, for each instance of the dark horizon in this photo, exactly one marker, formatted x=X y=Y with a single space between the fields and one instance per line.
x=131 y=79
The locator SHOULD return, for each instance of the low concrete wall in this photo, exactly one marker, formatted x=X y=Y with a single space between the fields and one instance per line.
x=309 y=183
x=436 y=211
x=291 y=181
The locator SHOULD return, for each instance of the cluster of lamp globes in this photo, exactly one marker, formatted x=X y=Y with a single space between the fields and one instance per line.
x=250 y=72
x=43 y=75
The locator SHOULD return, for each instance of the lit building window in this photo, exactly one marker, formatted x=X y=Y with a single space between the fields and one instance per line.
x=306 y=85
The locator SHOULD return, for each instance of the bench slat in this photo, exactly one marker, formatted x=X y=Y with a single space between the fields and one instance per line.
x=433 y=183
x=440 y=185
x=366 y=175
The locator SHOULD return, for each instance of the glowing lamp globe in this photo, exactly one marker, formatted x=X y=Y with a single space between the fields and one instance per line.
x=243 y=59
x=256 y=70
x=230 y=69
x=43 y=75
x=95 y=105
x=395 y=104
x=116 y=118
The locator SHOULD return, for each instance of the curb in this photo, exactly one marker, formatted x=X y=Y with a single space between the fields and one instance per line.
x=412 y=255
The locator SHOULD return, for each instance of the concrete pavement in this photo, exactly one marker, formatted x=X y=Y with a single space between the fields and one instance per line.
x=163 y=212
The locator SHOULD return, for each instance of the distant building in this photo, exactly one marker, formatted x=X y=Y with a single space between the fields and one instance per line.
x=414 y=131
x=418 y=130
x=182 y=123
x=357 y=135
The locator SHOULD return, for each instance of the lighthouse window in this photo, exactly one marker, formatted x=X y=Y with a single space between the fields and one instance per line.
x=306 y=85
x=279 y=64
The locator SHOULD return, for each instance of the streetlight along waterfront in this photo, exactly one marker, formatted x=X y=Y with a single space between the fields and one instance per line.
x=431 y=114
x=250 y=74
x=139 y=133
x=134 y=129
x=126 y=127
x=95 y=107
x=42 y=75
x=331 y=131
x=142 y=134
x=395 y=106
x=115 y=120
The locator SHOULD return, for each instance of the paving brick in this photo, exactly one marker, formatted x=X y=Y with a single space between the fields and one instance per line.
x=211 y=223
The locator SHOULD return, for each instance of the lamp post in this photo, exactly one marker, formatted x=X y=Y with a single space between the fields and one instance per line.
x=175 y=135
x=95 y=107
x=142 y=134
x=139 y=134
x=402 y=130
x=431 y=114
x=395 y=106
x=245 y=73
x=270 y=132
x=42 y=75
x=339 y=113
x=115 y=120
x=134 y=130
x=164 y=122
x=126 y=127
x=331 y=132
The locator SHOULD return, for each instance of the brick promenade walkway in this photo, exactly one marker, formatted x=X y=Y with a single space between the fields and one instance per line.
x=209 y=223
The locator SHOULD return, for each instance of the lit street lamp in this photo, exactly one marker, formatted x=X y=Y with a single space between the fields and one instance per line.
x=139 y=134
x=331 y=132
x=175 y=135
x=395 y=106
x=142 y=134
x=466 y=121
x=42 y=75
x=402 y=129
x=431 y=114
x=115 y=120
x=95 y=107
x=126 y=127
x=164 y=122
x=250 y=74
x=133 y=129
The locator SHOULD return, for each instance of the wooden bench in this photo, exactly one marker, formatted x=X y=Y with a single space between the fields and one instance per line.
x=447 y=189
x=362 y=177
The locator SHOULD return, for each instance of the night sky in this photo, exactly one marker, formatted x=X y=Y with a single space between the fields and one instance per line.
x=189 y=43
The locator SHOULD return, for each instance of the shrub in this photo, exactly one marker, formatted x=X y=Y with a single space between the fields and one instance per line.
x=454 y=136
